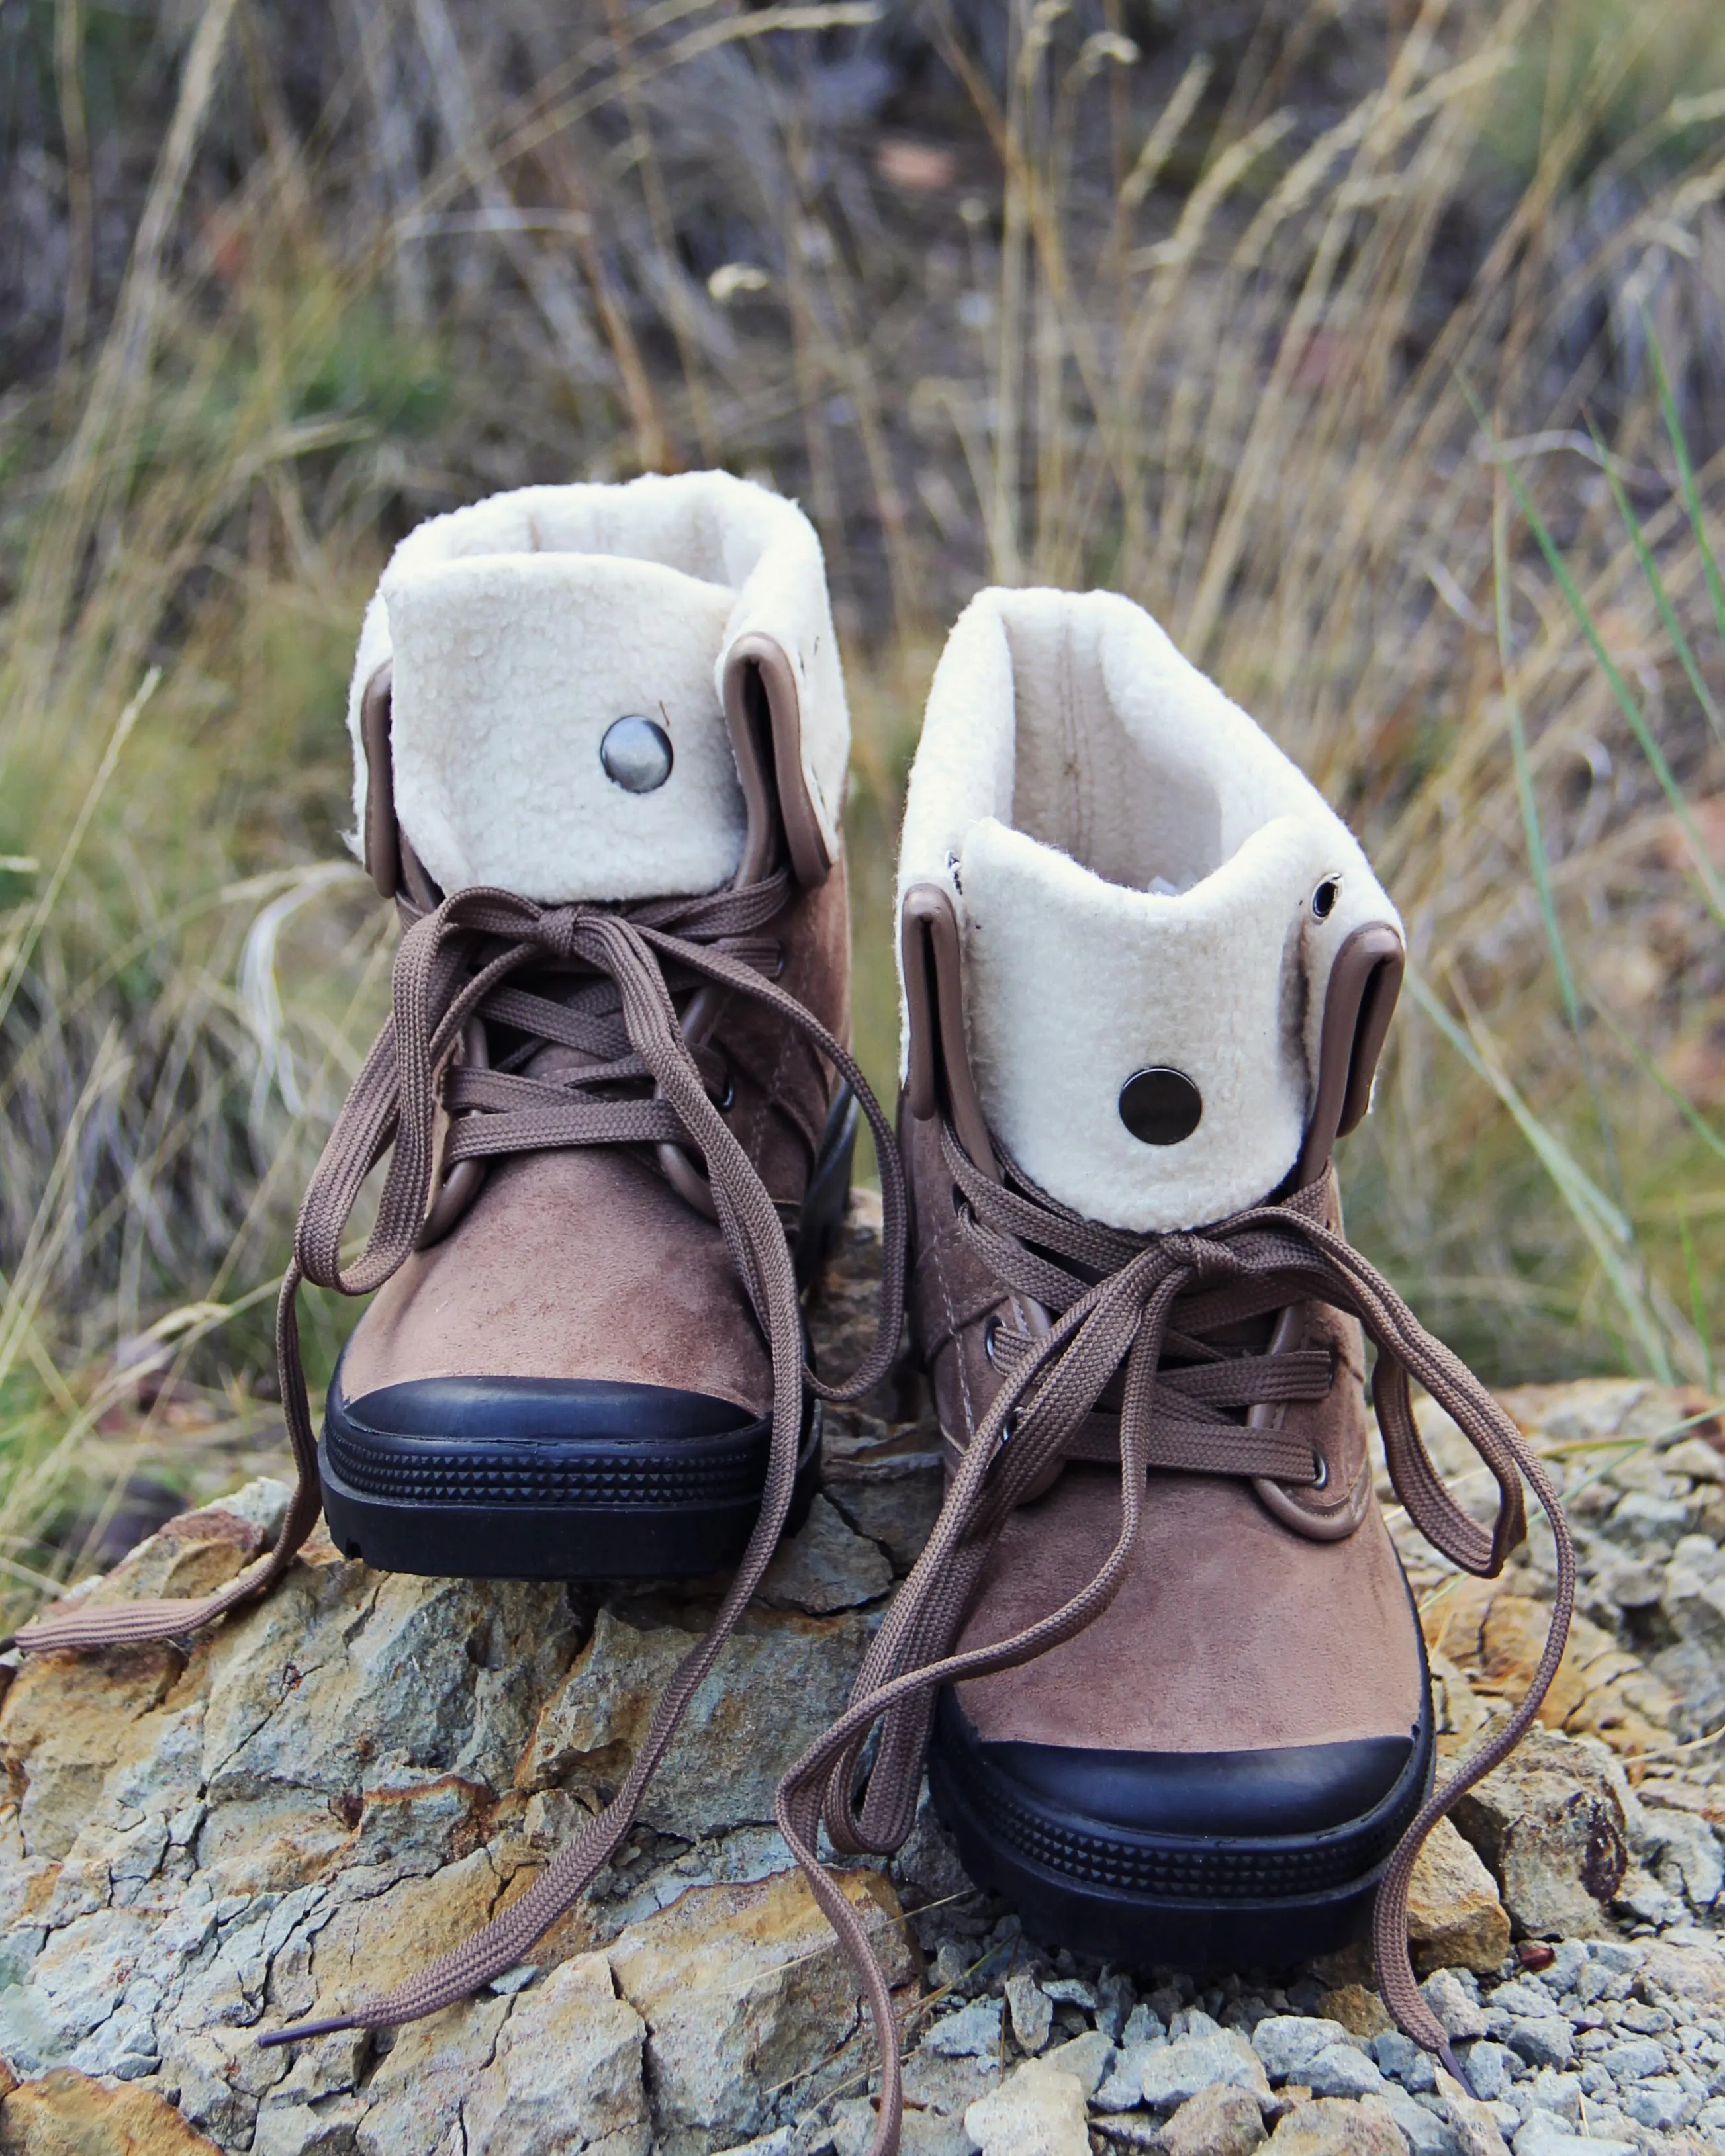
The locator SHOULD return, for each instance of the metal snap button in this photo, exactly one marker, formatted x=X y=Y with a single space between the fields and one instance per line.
x=1160 y=1107
x=637 y=754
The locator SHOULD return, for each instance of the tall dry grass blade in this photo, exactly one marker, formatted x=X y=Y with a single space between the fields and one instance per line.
x=88 y=468
x=56 y=1221
x=1170 y=124
x=553 y=292
x=81 y=215
x=1698 y=1304
x=15 y=954
x=260 y=992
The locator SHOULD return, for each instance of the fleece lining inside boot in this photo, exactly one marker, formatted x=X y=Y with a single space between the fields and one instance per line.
x=521 y=630
x=1144 y=882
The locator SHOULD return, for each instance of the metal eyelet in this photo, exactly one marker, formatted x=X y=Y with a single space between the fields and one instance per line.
x=729 y=1098
x=1325 y=898
x=1321 y=1471
x=990 y=1333
x=779 y=961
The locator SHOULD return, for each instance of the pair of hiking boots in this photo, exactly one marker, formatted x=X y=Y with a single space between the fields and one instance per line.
x=1159 y=1655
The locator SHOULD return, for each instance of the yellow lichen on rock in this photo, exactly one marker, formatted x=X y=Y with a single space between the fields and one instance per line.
x=72 y=2114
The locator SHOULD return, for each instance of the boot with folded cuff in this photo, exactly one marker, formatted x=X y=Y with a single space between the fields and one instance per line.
x=629 y=699
x=601 y=741
x=1158 y=1653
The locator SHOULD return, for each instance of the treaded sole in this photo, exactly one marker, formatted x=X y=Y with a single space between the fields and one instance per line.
x=674 y=1509
x=1218 y=1902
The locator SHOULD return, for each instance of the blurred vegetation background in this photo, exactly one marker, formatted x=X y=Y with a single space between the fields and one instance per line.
x=1377 y=346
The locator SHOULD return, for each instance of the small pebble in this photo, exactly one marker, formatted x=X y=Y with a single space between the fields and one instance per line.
x=1545 y=2039
x=1453 y=1996
x=972 y=2033
x=1217 y=2121
x=1288 y=2043
x=1030 y=2009
x=1488 y=2069
x=1143 y=2025
x=1557 y=2092
x=1071 y=1991
x=1343 y=2070
x=1402 y=2059
x=1634 y=2061
x=1086 y=2059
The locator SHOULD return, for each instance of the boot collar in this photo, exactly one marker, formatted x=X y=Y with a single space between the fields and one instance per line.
x=1154 y=1057
x=507 y=642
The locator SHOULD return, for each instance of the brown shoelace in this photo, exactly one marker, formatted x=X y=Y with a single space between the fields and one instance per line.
x=1129 y=1303
x=454 y=965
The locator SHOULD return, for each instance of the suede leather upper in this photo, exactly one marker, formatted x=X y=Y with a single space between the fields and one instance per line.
x=587 y=1264
x=1232 y=1631
x=1230 y=1634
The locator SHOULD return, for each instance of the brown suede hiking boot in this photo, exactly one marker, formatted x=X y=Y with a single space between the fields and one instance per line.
x=600 y=739
x=625 y=698
x=1159 y=1650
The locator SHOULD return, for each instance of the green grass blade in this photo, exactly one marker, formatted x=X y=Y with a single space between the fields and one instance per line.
x=1603 y=1224
x=1655 y=755
x=1538 y=860
x=1675 y=1094
x=1661 y=598
x=1698 y=1304
x=1686 y=472
x=15 y=960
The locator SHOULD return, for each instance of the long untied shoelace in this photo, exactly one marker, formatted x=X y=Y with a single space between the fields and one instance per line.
x=456 y=965
x=1131 y=1301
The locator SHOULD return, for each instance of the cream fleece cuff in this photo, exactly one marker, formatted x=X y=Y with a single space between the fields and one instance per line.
x=522 y=628
x=1143 y=881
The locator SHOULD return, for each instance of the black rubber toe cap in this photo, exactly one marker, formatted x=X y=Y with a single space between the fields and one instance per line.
x=1299 y=1789
x=539 y=1441
x=521 y=1409
x=533 y=1478
x=1254 y=1796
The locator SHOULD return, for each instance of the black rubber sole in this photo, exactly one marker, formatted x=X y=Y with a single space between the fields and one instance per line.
x=1150 y=1901
x=636 y=1506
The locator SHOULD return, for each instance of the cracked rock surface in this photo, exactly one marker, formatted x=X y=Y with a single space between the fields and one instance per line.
x=201 y=1841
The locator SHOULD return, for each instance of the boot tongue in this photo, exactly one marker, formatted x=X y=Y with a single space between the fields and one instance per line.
x=1146 y=1059
x=556 y=727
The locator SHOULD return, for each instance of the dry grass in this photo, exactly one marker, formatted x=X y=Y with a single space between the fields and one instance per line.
x=1379 y=355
